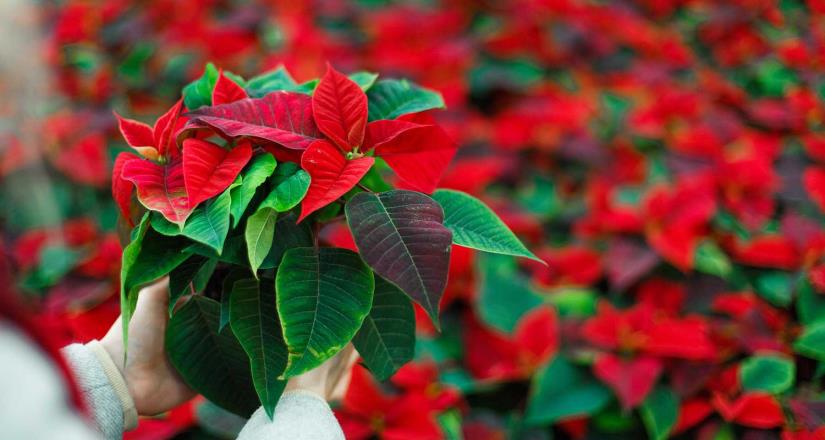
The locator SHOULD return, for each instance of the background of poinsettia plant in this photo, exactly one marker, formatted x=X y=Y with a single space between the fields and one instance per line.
x=665 y=158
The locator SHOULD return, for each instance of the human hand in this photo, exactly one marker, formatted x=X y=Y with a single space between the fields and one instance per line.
x=329 y=380
x=153 y=383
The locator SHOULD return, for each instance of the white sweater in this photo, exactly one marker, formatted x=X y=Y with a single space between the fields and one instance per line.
x=34 y=401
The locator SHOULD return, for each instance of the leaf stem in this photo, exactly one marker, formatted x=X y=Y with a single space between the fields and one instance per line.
x=363 y=187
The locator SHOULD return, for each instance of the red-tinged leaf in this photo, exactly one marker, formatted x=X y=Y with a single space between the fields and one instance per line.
x=165 y=128
x=122 y=188
x=160 y=188
x=418 y=154
x=281 y=117
x=332 y=175
x=227 y=91
x=138 y=135
x=757 y=410
x=209 y=169
x=630 y=379
x=340 y=109
x=401 y=236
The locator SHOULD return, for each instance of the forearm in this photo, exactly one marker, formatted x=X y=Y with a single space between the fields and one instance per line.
x=103 y=388
x=300 y=415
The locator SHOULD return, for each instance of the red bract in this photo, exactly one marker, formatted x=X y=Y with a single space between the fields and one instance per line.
x=331 y=173
x=422 y=378
x=367 y=411
x=226 y=91
x=284 y=118
x=630 y=379
x=339 y=107
x=209 y=169
x=160 y=188
x=419 y=154
x=678 y=218
x=757 y=410
x=493 y=355
x=640 y=329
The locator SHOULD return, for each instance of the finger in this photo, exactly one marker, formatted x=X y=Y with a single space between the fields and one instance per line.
x=154 y=297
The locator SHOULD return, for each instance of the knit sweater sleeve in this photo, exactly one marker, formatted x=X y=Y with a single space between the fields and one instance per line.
x=299 y=415
x=103 y=388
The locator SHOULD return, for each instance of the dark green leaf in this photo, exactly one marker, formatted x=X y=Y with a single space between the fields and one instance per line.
x=289 y=235
x=213 y=364
x=261 y=167
x=386 y=339
x=323 y=298
x=401 y=236
x=561 y=390
x=391 y=98
x=184 y=276
x=659 y=411
x=235 y=274
x=769 y=373
x=254 y=320
x=476 y=226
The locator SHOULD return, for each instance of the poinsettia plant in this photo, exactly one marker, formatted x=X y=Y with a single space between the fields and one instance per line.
x=237 y=187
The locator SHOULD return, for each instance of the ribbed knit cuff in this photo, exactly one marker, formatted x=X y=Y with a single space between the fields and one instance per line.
x=130 y=415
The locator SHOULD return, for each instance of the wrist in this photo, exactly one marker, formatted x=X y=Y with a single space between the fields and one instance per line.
x=306 y=384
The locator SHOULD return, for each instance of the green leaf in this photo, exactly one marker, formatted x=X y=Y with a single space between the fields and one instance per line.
x=254 y=320
x=812 y=342
x=290 y=235
x=209 y=223
x=274 y=80
x=185 y=275
x=365 y=80
x=198 y=93
x=235 y=274
x=769 y=373
x=659 y=412
x=290 y=186
x=561 y=390
x=54 y=263
x=810 y=306
x=165 y=227
x=233 y=252
x=710 y=259
x=146 y=258
x=260 y=229
x=775 y=287
x=504 y=293
x=391 y=98
x=476 y=226
x=261 y=167
x=323 y=298
x=386 y=339
x=211 y=363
